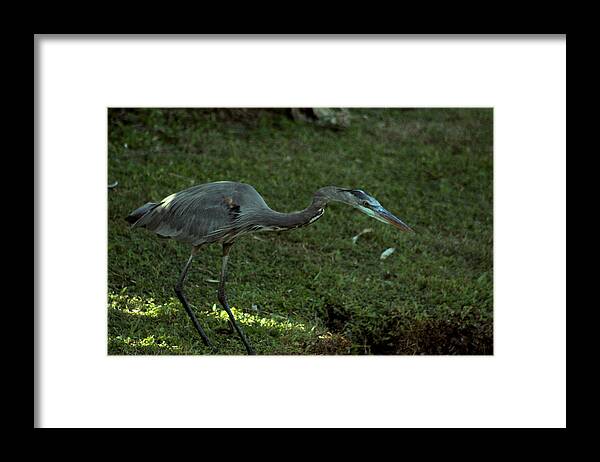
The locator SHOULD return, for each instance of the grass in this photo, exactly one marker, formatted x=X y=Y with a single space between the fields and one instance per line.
x=310 y=290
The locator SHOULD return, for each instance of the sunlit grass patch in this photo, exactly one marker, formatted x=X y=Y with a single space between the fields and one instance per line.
x=136 y=305
x=255 y=320
x=139 y=325
x=146 y=345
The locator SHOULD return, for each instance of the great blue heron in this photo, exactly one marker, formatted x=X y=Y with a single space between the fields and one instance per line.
x=224 y=211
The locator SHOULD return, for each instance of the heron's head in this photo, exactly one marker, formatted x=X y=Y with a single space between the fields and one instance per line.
x=367 y=204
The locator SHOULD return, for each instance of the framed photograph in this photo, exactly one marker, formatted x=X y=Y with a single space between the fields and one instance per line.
x=194 y=177
x=330 y=231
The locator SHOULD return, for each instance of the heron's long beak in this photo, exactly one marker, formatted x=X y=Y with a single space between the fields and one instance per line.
x=383 y=215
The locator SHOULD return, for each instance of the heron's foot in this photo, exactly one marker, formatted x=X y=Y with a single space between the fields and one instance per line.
x=207 y=343
x=226 y=329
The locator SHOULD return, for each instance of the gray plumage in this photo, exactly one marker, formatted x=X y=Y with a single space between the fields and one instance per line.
x=218 y=212
x=225 y=210
x=202 y=214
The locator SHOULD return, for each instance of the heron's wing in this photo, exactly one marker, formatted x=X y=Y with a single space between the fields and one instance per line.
x=202 y=214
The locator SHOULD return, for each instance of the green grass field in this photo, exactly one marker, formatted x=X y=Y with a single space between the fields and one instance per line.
x=311 y=290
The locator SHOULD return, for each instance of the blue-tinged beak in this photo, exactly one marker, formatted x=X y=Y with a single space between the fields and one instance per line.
x=383 y=215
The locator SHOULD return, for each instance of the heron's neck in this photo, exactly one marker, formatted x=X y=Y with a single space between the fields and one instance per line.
x=281 y=221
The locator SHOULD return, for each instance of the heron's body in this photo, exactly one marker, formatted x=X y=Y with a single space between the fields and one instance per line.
x=218 y=212
x=225 y=210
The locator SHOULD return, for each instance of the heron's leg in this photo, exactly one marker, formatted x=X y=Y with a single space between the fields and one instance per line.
x=223 y=299
x=184 y=302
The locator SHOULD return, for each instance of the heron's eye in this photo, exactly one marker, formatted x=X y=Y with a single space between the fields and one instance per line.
x=365 y=203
